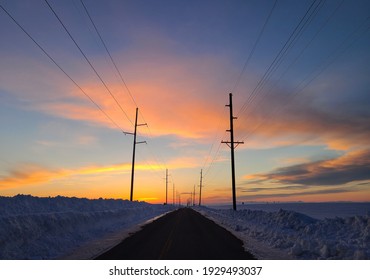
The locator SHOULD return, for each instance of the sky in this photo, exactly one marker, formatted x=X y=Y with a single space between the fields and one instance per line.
x=298 y=71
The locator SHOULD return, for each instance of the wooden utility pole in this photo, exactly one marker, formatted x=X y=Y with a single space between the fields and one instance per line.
x=232 y=144
x=166 y=185
x=173 y=194
x=133 y=153
x=194 y=196
x=200 y=187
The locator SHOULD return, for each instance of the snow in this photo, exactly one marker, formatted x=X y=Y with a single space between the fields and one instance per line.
x=287 y=234
x=50 y=228
x=75 y=228
x=318 y=210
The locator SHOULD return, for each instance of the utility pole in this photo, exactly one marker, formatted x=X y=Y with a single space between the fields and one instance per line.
x=232 y=144
x=173 y=194
x=200 y=187
x=194 y=196
x=133 y=153
x=166 y=184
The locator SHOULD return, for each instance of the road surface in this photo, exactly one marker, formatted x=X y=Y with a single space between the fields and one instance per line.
x=183 y=234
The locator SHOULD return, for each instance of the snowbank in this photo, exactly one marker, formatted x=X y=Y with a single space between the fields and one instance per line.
x=317 y=210
x=47 y=228
x=297 y=235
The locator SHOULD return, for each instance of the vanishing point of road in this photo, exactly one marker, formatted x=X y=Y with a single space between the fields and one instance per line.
x=183 y=234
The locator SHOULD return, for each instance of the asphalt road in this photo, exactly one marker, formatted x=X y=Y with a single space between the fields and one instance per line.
x=183 y=234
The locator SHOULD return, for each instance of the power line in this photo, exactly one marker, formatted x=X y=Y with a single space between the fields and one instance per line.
x=215 y=157
x=207 y=158
x=279 y=57
x=296 y=33
x=310 y=42
x=236 y=85
x=120 y=75
x=115 y=66
x=110 y=56
x=311 y=12
x=344 y=46
x=282 y=53
x=60 y=68
x=293 y=63
x=87 y=60
x=254 y=47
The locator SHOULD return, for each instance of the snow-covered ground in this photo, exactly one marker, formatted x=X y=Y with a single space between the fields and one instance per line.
x=49 y=228
x=287 y=234
x=75 y=228
x=318 y=210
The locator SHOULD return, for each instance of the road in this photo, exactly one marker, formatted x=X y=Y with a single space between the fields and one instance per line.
x=183 y=234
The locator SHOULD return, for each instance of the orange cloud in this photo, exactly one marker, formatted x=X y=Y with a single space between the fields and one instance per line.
x=351 y=167
x=176 y=95
x=179 y=95
x=167 y=114
x=31 y=174
x=28 y=174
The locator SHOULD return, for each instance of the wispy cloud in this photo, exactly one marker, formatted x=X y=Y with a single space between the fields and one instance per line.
x=178 y=95
x=351 y=167
x=184 y=96
x=282 y=121
x=280 y=193
x=30 y=174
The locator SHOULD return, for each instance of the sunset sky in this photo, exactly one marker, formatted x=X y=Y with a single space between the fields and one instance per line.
x=298 y=70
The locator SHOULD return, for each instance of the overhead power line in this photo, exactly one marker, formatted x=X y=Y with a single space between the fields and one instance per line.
x=60 y=68
x=88 y=61
x=121 y=76
x=265 y=116
x=216 y=154
x=343 y=47
x=296 y=33
x=254 y=47
x=219 y=133
x=110 y=56
x=294 y=36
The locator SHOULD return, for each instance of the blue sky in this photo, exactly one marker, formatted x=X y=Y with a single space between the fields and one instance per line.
x=305 y=127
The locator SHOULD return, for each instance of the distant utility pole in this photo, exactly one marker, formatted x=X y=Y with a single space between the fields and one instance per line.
x=232 y=144
x=189 y=199
x=173 y=194
x=200 y=187
x=166 y=184
x=194 y=196
x=133 y=153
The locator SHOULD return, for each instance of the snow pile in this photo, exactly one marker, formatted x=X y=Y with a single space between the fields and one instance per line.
x=46 y=228
x=298 y=235
x=318 y=210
